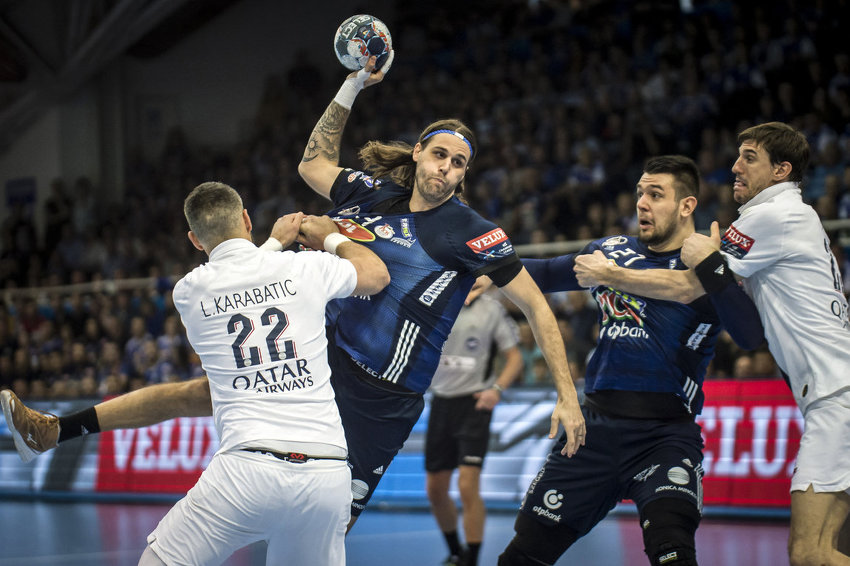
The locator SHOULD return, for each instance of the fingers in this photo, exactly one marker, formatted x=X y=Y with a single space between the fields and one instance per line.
x=386 y=68
x=575 y=439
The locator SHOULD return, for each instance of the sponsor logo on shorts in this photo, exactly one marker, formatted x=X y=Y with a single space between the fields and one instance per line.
x=553 y=499
x=679 y=476
x=643 y=475
x=378 y=471
x=735 y=243
x=473 y=460
x=680 y=489
x=668 y=557
x=359 y=489
x=542 y=512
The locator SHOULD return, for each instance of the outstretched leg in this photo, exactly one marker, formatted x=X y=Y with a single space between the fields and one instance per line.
x=36 y=432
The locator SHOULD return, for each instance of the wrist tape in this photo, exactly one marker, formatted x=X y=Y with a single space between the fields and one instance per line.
x=713 y=273
x=333 y=240
x=272 y=244
x=350 y=89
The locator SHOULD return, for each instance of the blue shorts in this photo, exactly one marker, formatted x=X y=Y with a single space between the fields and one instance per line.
x=638 y=459
x=376 y=420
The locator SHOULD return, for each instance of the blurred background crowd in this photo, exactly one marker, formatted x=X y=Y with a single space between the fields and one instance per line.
x=567 y=100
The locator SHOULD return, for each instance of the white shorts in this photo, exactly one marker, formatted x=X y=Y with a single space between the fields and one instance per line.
x=823 y=461
x=302 y=510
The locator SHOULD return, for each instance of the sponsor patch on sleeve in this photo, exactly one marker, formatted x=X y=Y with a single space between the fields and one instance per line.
x=736 y=243
x=494 y=243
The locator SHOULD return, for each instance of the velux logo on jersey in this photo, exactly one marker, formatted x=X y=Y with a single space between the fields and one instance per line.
x=736 y=243
x=482 y=244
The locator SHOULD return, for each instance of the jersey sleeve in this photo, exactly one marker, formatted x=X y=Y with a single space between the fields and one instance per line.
x=556 y=273
x=473 y=244
x=754 y=241
x=337 y=275
x=350 y=184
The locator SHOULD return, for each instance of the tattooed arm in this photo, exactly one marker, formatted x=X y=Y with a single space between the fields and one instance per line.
x=320 y=165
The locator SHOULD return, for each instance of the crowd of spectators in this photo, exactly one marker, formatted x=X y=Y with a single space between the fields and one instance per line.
x=567 y=100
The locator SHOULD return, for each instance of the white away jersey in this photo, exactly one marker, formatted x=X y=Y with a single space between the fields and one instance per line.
x=257 y=320
x=466 y=361
x=780 y=248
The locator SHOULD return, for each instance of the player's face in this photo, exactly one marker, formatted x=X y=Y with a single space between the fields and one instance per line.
x=753 y=172
x=657 y=209
x=440 y=167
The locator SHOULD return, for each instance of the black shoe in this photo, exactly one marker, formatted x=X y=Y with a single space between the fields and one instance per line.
x=455 y=559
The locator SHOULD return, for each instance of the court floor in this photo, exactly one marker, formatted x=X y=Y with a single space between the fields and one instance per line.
x=77 y=533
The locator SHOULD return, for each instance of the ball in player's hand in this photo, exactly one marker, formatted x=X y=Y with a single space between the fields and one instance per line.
x=360 y=37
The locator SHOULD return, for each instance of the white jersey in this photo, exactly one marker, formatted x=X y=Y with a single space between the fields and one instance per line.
x=257 y=320
x=466 y=358
x=778 y=245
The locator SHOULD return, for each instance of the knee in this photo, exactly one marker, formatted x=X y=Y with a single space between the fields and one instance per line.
x=669 y=528
x=468 y=486
x=802 y=554
x=536 y=544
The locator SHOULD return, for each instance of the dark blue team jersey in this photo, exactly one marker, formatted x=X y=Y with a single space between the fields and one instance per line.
x=433 y=258
x=645 y=345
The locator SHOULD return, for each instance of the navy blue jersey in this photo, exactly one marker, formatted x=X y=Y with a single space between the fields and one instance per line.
x=433 y=258
x=645 y=345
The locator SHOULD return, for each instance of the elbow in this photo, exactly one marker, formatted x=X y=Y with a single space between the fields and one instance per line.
x=304 y=169
x=377 y=282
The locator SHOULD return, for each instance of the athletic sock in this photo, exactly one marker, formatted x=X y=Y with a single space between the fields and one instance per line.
x=453 y=542
x=77 y=424
x=472 y=549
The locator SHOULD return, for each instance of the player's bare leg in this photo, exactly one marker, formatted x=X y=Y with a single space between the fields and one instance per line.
x=816 y=521
x=155 y=404
x=474 y=512
x=444 y=510
x=35 y=432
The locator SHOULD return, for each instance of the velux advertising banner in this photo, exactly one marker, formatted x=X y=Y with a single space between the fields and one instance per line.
x=751 y=429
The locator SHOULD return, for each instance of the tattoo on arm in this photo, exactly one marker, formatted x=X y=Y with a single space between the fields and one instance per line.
x=326 y=138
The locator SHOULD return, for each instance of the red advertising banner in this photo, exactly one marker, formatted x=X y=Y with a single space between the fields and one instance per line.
x=164 y=458
x=752 y=432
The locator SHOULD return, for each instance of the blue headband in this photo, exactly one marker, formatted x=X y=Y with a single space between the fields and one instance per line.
x=454 y=133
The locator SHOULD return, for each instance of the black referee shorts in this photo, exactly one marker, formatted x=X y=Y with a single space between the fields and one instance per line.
x=457 y=435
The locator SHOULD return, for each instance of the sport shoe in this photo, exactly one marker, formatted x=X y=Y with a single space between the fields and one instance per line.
x=34 y=432
x=454 y=560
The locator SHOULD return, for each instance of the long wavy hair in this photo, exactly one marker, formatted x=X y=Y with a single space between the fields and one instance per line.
x=395 y=159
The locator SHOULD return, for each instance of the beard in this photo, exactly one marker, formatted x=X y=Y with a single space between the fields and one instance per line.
x=660 y=235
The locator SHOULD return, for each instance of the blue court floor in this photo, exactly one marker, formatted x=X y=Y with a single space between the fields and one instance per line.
x=73 y=533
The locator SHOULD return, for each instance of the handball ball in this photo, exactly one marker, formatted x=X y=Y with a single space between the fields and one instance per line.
x=360 y=37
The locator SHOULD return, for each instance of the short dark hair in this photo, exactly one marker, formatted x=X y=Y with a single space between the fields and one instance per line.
x=782 y=143
x=685 y=173
x=213 y=211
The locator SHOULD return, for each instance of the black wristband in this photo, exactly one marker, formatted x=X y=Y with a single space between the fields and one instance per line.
x=713 y=273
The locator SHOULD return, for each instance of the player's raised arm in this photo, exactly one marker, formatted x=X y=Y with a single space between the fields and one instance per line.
x=319 y=166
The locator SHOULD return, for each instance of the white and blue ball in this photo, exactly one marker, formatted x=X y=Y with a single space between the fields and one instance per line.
x=360 y=37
